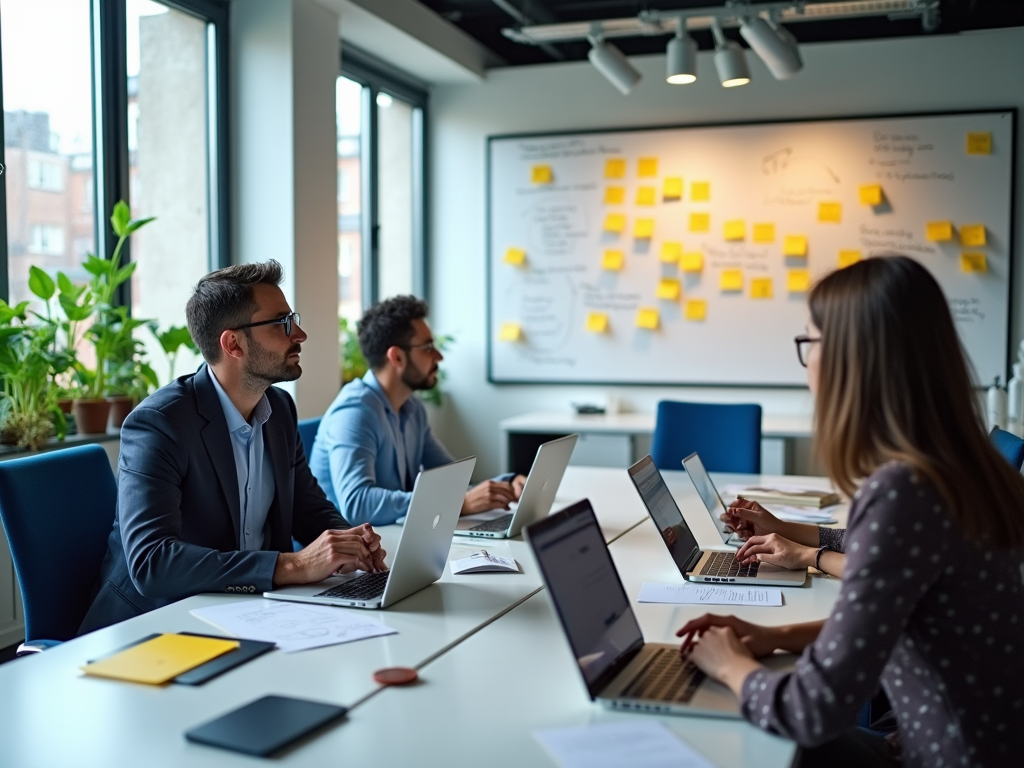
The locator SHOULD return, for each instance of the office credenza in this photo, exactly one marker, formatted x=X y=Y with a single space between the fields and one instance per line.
x=494 y=664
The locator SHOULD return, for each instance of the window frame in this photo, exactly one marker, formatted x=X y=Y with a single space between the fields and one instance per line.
x=378 y=77
x=108 y=51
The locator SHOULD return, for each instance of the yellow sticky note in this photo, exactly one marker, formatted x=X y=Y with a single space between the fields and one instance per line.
x=700 y=222
x=696 y=309
x=764 y=233
x=731 y=280
x=761 y=288
x=612 y=260
x=798 y=280
x=614 y=195
x=648 y=167
x=670 y=252
x=794 y=245
x=541 y=174
x=646 y=196
x=672 y=189
x=644 y=228
x=597 y=322
x=510 y=332
x=692 y=262
x=160 y=659
x=647 y=318
x=830 y=213
x=846 y=258
x=669 y=288
x=515 y=256
x=972 y=235
x=615 y=168
x=700 y=191
x=973 y=262
x=614 y=222
x=939 y=231
x=870 y=194
x=979 y=143
x=735 y=229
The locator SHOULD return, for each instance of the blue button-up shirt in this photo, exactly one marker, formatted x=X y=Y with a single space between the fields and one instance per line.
x=252 y=464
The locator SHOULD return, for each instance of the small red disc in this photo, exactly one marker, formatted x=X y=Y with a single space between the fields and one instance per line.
x=395 y=676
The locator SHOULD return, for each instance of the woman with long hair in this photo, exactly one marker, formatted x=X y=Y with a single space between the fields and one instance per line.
x=932 y=598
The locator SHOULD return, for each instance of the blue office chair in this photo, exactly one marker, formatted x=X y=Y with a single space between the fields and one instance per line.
x=727 y=437
x=307 y=434
x=57 y=509
x=1011 y=446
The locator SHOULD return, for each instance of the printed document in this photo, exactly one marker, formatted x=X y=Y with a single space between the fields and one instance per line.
x=707 y=594
x=637 y=744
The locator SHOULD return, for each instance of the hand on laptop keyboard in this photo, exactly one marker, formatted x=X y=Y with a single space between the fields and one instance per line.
x=776 y=550
x=490 y=494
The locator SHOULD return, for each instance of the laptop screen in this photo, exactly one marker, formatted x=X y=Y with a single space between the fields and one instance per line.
x=664 y=511
x=707 y=491
x=585 y=587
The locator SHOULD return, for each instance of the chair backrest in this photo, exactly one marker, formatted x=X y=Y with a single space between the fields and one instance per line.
x=307 y=434
x=1011 y=446
x=727 y=437
x=57 y=509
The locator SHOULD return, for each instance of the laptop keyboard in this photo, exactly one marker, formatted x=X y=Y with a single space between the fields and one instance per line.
x=365 y=587
x=724 y=564
x=666 y=677
x=496 y=525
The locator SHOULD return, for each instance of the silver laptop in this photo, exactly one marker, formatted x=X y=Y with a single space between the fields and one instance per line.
x=693 y=563
x=619 y=669
x=422 y=549
x=712 y=500
x=536 y=500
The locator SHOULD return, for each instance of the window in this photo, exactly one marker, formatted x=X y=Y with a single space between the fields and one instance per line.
x=380 y=184
x=106 y=100
x=48 y=126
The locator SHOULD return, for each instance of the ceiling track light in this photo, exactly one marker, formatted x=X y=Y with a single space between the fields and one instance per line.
x=730 y=62
x=612 y=63
x=775 y=46
x=681 y=57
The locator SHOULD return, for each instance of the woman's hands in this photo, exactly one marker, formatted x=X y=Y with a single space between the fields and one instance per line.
x=748 y=518
x=726 y=648
x=759 y=641
x=776 y=550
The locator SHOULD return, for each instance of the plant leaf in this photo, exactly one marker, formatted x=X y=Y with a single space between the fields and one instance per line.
x=138 y=224
x=120 y=217
x=95 y=265
x=123 y=274
x=40 y=283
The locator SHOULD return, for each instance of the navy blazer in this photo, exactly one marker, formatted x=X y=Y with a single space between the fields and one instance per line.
x=176 y=529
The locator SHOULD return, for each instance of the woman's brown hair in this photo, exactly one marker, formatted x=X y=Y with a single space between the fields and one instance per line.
x=894 y=384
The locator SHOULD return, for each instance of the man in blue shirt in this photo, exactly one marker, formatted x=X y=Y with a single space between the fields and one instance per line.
x=375 y=438
x=213 y=483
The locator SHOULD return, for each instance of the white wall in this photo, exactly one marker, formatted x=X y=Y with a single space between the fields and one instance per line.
x=972 y=71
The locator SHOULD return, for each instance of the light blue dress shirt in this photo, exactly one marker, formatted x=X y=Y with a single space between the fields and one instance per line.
x=252 y=464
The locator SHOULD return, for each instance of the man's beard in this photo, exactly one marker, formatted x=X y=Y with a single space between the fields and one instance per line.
x=263 y=368
x=415 y=380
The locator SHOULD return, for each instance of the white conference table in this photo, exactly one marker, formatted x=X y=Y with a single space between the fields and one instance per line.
x=55 y=716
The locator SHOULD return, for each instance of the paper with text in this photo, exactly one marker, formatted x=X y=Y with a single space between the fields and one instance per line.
x=708 y=594
x=292 y=626
x=633 y=743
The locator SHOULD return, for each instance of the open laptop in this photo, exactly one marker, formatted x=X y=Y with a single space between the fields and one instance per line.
x=537 y=497
x=619 y=669
x=422 y=550
x=712 y=499
x=693 y=563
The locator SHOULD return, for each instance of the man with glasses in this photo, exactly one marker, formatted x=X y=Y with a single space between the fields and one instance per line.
x=375 y=438
x=213 y=483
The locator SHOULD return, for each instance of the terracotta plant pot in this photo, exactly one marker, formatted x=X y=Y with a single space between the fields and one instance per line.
x=120 y=407
x=65 y=404
x=91 y=416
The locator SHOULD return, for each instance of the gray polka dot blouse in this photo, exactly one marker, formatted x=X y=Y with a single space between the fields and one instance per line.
x=938 y=619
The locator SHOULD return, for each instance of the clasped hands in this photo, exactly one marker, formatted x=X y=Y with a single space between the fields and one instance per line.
x=334 y=551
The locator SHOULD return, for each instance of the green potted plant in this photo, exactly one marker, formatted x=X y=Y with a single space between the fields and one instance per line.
x=110 y=323
x=28 y=409
x=353 y=364
x=129 y=378
x=171 y=341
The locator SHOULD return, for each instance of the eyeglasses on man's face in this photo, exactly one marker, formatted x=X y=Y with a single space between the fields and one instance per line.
x=428 y=346
x=803 y=348
x=289 y=321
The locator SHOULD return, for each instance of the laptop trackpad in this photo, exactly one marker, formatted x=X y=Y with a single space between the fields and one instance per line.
x=472 y=521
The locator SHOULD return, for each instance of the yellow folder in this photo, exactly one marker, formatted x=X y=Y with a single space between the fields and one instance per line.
x=160 y=659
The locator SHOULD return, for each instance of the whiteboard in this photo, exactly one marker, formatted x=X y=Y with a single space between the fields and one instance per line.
x=549 y=238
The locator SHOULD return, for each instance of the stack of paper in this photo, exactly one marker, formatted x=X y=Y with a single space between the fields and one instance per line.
x=484 y=562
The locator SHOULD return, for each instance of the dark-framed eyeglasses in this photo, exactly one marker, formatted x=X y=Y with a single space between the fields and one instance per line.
x=428 y=346
x=803 y=348
x=289 y=321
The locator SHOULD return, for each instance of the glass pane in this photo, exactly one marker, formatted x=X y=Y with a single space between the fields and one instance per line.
x=48 y=139
x=169 y=173
x=349 y=104
x=395 y=196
